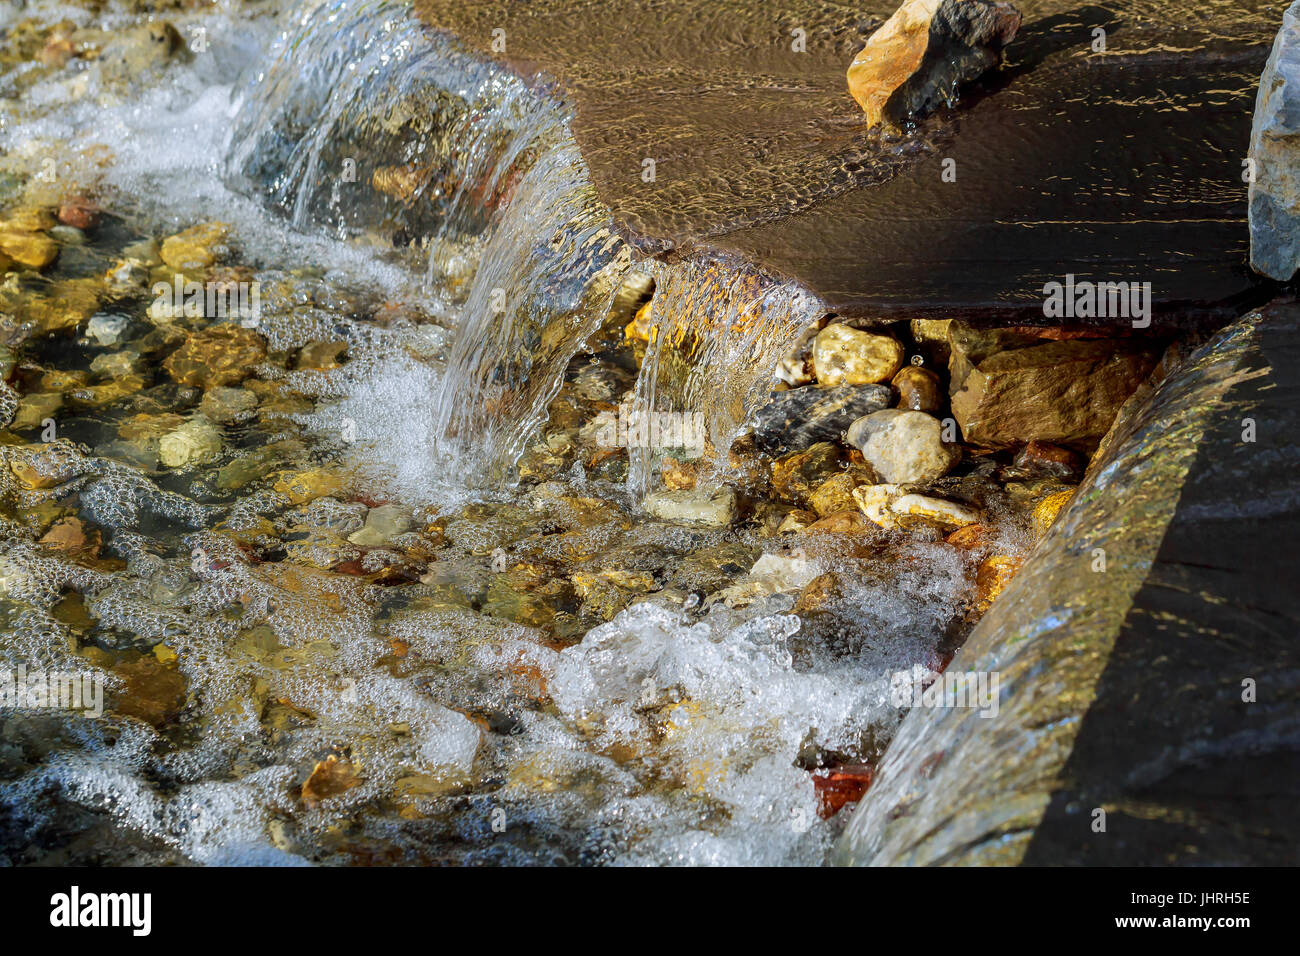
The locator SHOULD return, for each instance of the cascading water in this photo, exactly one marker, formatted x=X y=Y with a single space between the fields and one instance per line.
x=466 y=163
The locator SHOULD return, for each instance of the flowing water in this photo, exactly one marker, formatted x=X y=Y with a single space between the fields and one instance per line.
x=407 y=609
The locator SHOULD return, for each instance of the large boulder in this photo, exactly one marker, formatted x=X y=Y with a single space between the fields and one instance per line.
x=921 y=54
x=1145 y=655
x=1064 y=392
x=1275 y=157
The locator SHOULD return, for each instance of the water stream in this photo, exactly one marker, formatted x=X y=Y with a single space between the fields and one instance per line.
x=406 y=610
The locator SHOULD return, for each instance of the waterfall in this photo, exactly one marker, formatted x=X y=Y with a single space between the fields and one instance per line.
x=720 y=328
x=367 y=123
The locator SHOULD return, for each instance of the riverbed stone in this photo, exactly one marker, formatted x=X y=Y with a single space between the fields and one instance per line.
x=29 y=248
x=794 y=476
x=1274 y=192
x=918 y=389
x=922 y=53
x=843 y=355
x=1064 y=392
x=221 y=355
x=797 y=418
x=225 y=405
x=196 y=248
x=697 y=507
x=196 y=442
x=904 y=446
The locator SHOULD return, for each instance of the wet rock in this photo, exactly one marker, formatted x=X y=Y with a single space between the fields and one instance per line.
x=841 y=522
x=221 y=355
x=1062 y=392
x=322 y=355
x=197 y=248
x=796 y=520
x=134 y=52
x=1048 y=508
x=35 y=409
x=903 y=447
x=835 y=494
x=700 y=508
x=71 y=536
x=992 y=577
x=107 y=328
x=197 y=442
x=678 y=475
x=225 y=405
x=919 y=389
x=331 y=777
x=78 y=212
x=924 y=52
x=794 y=419
x=890 y=506
x=771 y=574
x=29 y=248
x=382 y=525
x=1040 y=459
x=1274 y=210
x=117 y=364
x=820 y=594
x=843 y=355
x=794 y=476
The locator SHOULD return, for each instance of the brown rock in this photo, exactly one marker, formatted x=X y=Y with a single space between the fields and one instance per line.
x=70 y=536
x=823 y=590
x=841 y=521
x=992 y=577
x=794 y=476
x=678 y=475
x=1062 y=392
x=329 y=778
x=924 y=51
x=80 y=212
x=221 y=355
x=919 y=389
x=1040 y=459
x=834 y=494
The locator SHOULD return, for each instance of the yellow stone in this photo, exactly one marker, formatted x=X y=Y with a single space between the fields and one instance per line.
x=29 y=248
x=304 y=486
x=1045 y=511
x=195 y=248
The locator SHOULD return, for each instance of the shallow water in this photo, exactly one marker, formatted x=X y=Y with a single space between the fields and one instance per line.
x=409 y=611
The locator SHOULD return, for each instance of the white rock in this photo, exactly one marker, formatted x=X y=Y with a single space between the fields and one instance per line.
x=701 y=508
x=903 y=446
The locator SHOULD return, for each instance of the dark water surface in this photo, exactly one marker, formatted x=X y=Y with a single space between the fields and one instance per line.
x=1119 y=165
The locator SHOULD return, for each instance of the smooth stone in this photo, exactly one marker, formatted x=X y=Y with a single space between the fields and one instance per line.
x=904 y=447
x=843 y=355
x=919 y=389
x=221 y=355
x=1040 y=459
x=383 y=523
x=107 y=328
x=834 y=494
x=796 y=419
x=197 y=442
x=224 y=404
x=921 y=54
x=196 y=248
x=696 y=507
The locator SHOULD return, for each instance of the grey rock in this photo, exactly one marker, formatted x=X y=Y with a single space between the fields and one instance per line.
x=1274 y=212
x=798 y=418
